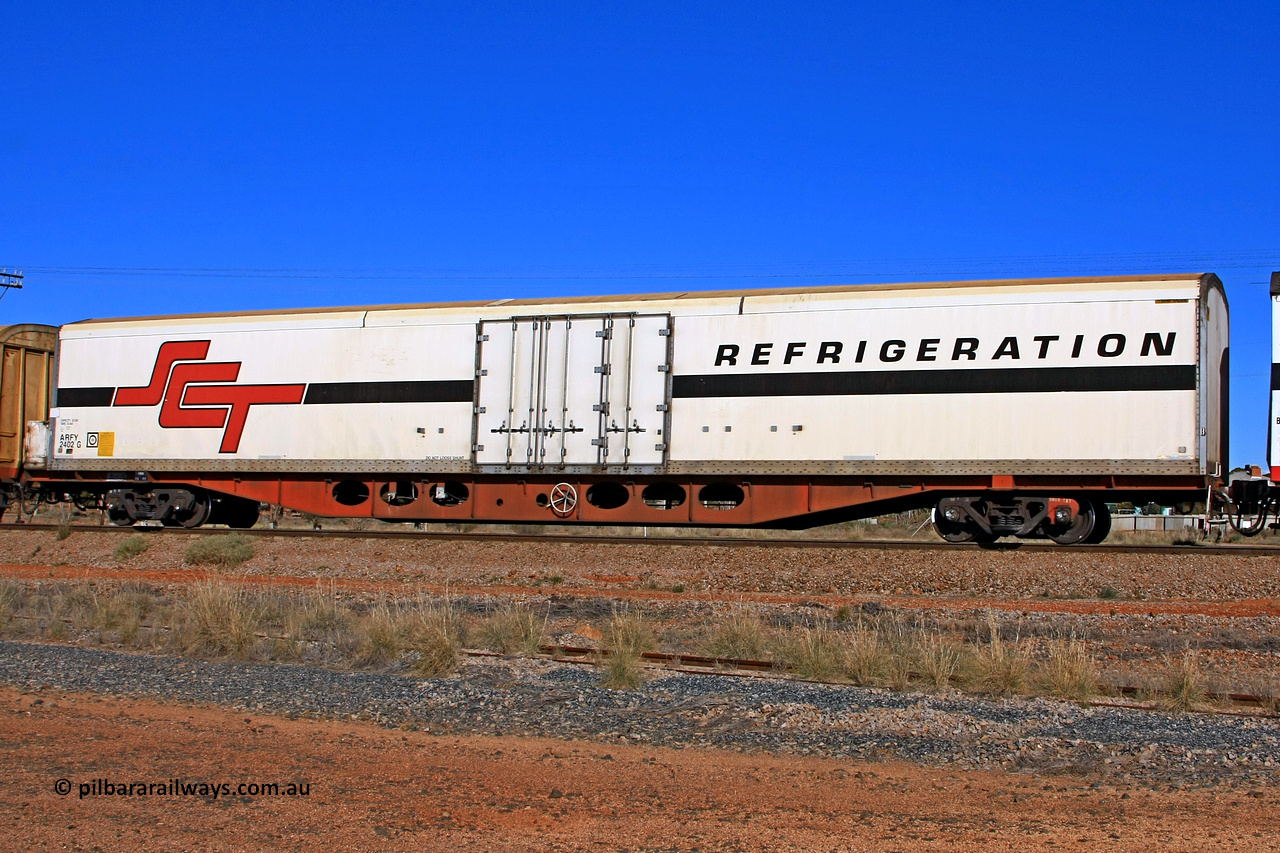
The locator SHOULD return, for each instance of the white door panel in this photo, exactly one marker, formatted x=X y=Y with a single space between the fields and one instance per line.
x=572 y=390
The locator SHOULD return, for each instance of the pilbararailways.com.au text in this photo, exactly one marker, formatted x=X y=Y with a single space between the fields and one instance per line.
x=169 y=788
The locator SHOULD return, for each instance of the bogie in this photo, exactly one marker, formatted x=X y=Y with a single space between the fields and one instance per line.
x=1065 y=520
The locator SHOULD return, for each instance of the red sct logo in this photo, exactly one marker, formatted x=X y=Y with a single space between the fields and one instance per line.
x=198 y=394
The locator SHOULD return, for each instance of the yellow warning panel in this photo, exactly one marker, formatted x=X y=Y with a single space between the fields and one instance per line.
x=106 y=444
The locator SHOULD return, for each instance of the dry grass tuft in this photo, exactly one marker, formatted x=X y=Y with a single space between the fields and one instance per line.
x=313 y=617
x=866 y=656
x=629 y=631
x=12 y=596
x=434 y=633
x=378 y=640
x=1184 y=683
x=900 y=643
x=218 y=620
x=814 y=653
x=78 y=603
x=130 y=548
x=312 y=625
x=621 y=670
x=627 y=637
x=1070 y=672
x=513 y=630
x=1000 y=668
x=124 y=612
x=226 y=551
x=1268 y=690
x=938 y=661
x=740 y=636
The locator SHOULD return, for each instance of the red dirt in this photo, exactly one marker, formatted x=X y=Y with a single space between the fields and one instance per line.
x=378 y=789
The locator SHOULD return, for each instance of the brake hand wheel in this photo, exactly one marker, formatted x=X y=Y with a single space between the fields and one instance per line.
x=564 y=499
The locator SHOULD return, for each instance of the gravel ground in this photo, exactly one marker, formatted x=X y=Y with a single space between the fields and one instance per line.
x=542 y=698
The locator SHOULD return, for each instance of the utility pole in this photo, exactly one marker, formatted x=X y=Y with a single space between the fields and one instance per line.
x=10 y=281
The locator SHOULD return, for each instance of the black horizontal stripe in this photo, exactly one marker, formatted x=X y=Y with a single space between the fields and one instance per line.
x=85 y=398
x=996 y=380
x=439 y=391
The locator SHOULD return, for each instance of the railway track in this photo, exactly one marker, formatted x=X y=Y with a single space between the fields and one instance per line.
x=717 y=541
x=1134 y=698
x=1129 y=697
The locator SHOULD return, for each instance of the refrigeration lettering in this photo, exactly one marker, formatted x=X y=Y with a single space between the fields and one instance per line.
x=1008 y=349
x=802 y=354
x=967 y=347
x=1045 y=340
x=893 y=350
x=728 y=354
x=1111 y=346
x=1164 y=347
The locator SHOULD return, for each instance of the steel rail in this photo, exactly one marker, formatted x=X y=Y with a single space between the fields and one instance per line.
x=739 y=667
x=705 y=541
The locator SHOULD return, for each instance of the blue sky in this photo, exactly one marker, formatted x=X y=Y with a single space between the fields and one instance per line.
x=165 y=158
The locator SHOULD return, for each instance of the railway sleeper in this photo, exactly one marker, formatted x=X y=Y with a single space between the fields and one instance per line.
x=985 y=518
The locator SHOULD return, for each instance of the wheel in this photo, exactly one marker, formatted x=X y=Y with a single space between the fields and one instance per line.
x=959 y=532
x=119 y=515
x=1101 y=522
x=564 y=499
x=194 y=517
x=1080 y=528
x=954 y=531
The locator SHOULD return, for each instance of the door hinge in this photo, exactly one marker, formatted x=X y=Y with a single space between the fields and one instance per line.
x=477 y=448
x=663 y=368
x=665 y=332
x=660 y=447
x=662 y=407
x=602 y=368
x=482 y=373
x=482 y=337
x=479 y=410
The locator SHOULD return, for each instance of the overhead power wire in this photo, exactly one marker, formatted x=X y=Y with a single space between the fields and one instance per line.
x=1113 y=263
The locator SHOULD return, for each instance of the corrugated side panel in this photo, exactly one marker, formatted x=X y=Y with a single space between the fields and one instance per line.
x=1085 y=380
x=315 y=392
